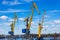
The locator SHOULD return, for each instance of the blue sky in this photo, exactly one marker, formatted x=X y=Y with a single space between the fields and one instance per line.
x=23 y=10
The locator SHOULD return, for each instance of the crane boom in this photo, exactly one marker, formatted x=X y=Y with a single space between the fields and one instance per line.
x=34 y=6
x=43 y=17
x=29 y=24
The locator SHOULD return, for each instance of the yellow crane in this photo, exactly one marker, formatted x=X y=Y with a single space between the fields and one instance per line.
x=13 y=24
x=41 y=25
x=29 y=24
x=34 y=6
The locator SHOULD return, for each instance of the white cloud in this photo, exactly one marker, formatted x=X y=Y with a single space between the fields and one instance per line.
x=11 y=19
x=1 y=31
x=49 y=22
x=32 y=23
x=52 y=22
x=12 y=10
x=57 y=21
x=3 y=17
x=7 y=23
x=45 y=26
x=22 y=19
x=10 y=2
x=27 y=0
x=15 y=2
x=52 y=11
x=54 y=28
x=46 y=16
x=4 y=2
x=52 y=25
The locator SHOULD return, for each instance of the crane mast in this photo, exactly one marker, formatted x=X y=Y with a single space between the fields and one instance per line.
x=13 y=24
x=41 y=26
x=39 y=30
x=29 y=24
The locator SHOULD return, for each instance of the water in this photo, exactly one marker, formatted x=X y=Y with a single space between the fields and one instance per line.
x=46 y=38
